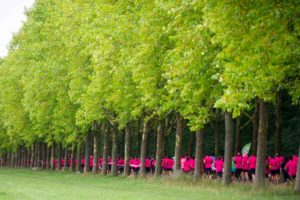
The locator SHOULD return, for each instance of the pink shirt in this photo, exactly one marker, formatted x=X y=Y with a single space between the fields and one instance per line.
x=252 y=162
x=219 y=164
x=274 y=164
x=192 y=163
x=245 y=163
x=182 y=160
x=238 y=162
x=207 y=162
x=148 y=163
x=291 y=167
x=186 y=166
x=170 y=163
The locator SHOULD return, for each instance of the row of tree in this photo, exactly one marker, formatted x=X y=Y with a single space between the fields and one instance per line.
x=78 y=68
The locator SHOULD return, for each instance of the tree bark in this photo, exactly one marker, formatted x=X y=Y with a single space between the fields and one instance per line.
x=66 y=159
x=58 y=167
x=255 y=127
x=127 y=150
x=86 y=168
x=78 y=157
x=228 y=148
x=178 y=144
x=297 y=183
x=200 y=142
x=261 y=143
x=95 y=152
x=191 y=144
x=278 y=124
x=159 y=148
x=52 y=156
x=105 y=151
x=238 y=136
x=72 y=156
x=217 y=138
x=114 y=150
x=48 y=159
x=32 y=156
x=144 y=147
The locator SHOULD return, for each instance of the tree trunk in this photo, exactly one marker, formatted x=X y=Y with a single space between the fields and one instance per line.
x=32 y=156
x=72 y=156
x=105 y=151
x=44 y=155
x=95 y=152
x=114 y=150
x=86 y=168
x=261 y=143
x=58 y=167
x=66 y=159
x=127 y=150
x=228 y=148
x=78 y=157
x=255 y=127
x=297 y=184
x=144 y=147
x=200 y=142
x=217 y=138
x=191 y=144
x=52 y=156
x=278 y=124
x=178 y=144
x=48 y=155
x=238 y=135
x=159 y=148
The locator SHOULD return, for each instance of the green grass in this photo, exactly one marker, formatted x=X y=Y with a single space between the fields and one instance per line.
x=27 y=184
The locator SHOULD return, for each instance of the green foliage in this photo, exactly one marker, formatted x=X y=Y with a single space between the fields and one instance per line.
x=75 y=63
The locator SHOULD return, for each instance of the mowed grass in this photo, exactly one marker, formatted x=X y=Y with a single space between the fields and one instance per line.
x=28 y=184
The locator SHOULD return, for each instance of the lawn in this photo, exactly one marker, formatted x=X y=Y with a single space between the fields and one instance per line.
x=27 y=184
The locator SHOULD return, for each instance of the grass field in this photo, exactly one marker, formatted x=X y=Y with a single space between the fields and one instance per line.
x=27 y=184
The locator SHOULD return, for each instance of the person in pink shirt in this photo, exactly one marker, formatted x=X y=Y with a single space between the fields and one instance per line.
x=252 y=166
x=208 y=161
x=219 y=164
x=274 y=165
x=291 y=168
x=168 y=165
x=245 y=167
x=153 y=164
x=164 y=165
x=238 y=165
x=100 y=163
x=120 y=164
x=182 y=160
x=148 y=165
x=186 y=165
x=192 y=164
x=91 y=163
x=82 y=162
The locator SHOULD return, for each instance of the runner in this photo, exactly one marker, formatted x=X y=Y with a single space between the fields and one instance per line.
x=219 y=164
x=238 y=166
x=252 y=166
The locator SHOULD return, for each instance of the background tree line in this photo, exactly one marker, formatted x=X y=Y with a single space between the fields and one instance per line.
x=152 y=78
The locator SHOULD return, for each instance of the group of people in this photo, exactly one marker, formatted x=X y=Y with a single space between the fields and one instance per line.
x=278 y=168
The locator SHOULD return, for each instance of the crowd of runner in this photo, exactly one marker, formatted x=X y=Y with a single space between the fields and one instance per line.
x=278 y=168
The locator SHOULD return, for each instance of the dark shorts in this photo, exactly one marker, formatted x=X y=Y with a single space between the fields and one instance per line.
x=274 y=172
x=238 y=171
x=245 y=170
x=219 y=174
x=168 y=169
x=208 y=170
x=252 y=171
x=148 y=169
x=136 y=169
